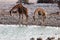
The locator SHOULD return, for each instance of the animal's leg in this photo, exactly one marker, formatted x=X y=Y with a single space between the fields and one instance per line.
x=39 y=16
x=10 y=13
x=42 y=22
x=34 y=18
x=34 y=14
x=26 y=17
x=43 y=19
x=19 y=19
x=19 y=16
x=22 y=16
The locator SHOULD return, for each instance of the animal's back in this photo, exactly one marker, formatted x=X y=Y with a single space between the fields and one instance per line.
x=20 y=8
x=25 y=10
x=41 y=10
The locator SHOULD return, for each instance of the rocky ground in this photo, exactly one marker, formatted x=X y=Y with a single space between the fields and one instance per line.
x=53 y=17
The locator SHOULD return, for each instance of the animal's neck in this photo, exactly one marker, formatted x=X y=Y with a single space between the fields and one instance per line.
x=20 y=5
x=20 y=1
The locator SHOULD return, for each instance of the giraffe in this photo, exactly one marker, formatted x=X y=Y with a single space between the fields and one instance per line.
x=41 y=12
x=21 y=10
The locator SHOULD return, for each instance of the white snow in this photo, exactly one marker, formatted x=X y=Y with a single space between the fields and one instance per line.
x=22 y=32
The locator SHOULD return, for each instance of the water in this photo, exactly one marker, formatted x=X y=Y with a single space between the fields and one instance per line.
x=14 y=32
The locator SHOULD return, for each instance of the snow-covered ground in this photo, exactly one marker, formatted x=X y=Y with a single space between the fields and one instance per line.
x=22 y=32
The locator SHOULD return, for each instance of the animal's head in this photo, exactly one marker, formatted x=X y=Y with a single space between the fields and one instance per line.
x=39 y=13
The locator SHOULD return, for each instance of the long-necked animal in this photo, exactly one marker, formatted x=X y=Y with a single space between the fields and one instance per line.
x=21 y=10
x=41 y=12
